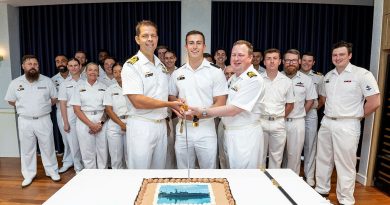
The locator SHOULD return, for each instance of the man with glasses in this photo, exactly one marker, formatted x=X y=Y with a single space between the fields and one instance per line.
x=305 y=94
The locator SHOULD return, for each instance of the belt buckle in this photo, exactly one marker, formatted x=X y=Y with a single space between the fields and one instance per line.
x=157 y=121
x=35 y=118
x=94 y=113
x=270 y=118
x=289 y=119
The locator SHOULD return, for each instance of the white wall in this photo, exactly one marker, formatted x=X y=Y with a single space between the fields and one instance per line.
x=10 y=66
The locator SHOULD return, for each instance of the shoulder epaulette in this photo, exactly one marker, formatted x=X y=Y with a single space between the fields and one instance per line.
x=318 y=73
x=132 y=60
x=251 y=74
x=215 y=65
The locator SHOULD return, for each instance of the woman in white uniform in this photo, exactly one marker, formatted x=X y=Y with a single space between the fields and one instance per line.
x=116 y=109
x=87 y=102
x=68 y=116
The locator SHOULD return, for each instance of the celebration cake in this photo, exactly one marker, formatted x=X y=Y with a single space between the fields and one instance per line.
x=185 y=191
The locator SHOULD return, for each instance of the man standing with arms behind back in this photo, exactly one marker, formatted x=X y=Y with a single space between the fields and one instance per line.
x=145 y=82
x=33 y=95
x=344 y=91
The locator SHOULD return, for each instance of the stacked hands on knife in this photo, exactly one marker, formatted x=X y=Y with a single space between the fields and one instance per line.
x=186 y=111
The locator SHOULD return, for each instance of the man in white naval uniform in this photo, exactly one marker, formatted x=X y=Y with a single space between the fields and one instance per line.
x=200 y=84
x=240 y=116
x=145 y=83
x=257 y=58
x=305 y=94
x=277 y=103
x=33 y=95
x=108 y=79
x=68 y=116
x=63 y=74
x=350 y=93
x=311 y=119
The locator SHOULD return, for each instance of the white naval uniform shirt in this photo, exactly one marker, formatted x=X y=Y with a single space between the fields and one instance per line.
x=278 y=92
x=31 y=99
x=67 y=89
x=89 y=97
x=142 y=77
x=198 y=87
x=114 y=97
x=246 y=92
x=345 y=92
x=107 y=81
x=317 y=79
x=58 y=80
x=303 y=90
x=261 y=70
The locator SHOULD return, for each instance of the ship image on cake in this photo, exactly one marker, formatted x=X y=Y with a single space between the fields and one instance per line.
x=184 y=194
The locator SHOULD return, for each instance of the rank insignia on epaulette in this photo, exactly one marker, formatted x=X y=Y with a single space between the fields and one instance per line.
x=164 y=69
x=148 y=74
x=101 y=89
x=318 y=73
x=83 y=90
x=251 y=74
x=212 y=64
x=181 y=77
x=132 y=60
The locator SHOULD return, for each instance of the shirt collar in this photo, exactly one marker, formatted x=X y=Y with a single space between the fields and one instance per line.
x=144 y=60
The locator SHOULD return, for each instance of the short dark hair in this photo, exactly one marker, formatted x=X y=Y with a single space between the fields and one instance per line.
x=74 y=59
x=292 y=51
x=247 y=43
x=161 y=47
x=219 y=49
x=61 y=54
x=110 y=57
x=309 y=54
x=195 y=32
x=207 y=55
x=343 y=44
x=272 y=50
x=170 y=51
x=257 y=50
x=144 y=23
x=29 y=56
x=81 y=51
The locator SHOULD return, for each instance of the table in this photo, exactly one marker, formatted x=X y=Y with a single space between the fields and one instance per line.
x=120 y=187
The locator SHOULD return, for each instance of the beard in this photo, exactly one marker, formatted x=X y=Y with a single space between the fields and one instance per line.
x=32 y=75
x=62 y=69
x=291 y=70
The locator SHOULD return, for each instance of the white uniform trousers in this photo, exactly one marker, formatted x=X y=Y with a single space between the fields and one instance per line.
x=295 y=130
x=67 y=159
x=310 y=145
x=93 y=146
x=274 y=141
x=244 y=146
x=171 y=156
x=146 y=143
x=337 y=145
x=116 y=139
x=30 y=130
x=73 y=141
x=202 y=145
x=221 y=148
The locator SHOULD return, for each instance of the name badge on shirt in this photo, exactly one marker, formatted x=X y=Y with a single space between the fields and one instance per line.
x=181 y=77
x=115 y=93
x=235 y=88
x=148 y=74
x=20 y=88
x=326 y=81
x=70 y=86
x=83 y=90
x=101 y=89
x=40 y=88
x=347 y=81
x=300 y=84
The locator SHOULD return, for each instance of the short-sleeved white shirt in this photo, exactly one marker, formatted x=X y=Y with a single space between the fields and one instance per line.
x=58 y=80
x=199 y=86
x=303 y=90
x=317 y=79
x=148 y=79
x=67 y=89
x=89 y=97
x=31 y=99
x=345 y=92
x=107 y=81
x=114 y=97
x=278 y=92
x=246 y=92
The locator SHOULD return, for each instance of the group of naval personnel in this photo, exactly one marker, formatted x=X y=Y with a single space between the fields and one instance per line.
x=149 y=114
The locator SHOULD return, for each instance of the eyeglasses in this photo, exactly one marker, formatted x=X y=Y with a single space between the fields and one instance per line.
x=291 y=61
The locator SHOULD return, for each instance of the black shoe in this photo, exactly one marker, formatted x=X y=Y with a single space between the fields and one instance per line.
x=324 y=195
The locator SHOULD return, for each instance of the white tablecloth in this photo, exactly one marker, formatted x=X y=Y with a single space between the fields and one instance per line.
x=120 y=187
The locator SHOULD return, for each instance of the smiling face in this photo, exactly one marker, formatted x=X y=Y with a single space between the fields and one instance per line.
x=341 y=57
x=240 y=58
x=257 y=58
x=74 y=67
x=195 y=46
x=307 y=63
x=117 y=70
x=170 y=60
x=147 y=39
x=220 y=57
x=92 y=72
x=108 y=63
x=31 y=69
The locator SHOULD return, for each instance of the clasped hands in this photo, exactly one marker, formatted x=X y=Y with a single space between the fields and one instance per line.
x=181 y=109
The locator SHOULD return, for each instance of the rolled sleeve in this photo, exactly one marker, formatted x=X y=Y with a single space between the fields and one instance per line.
x=131 y=80
x=369 y=85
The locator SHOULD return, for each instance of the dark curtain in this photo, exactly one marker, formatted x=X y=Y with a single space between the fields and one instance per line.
x=49 y=30
x=306 y=27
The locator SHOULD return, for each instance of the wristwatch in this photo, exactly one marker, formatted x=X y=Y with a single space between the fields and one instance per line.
x=101 y=122
x=204 y=112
